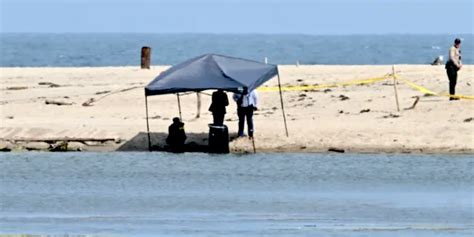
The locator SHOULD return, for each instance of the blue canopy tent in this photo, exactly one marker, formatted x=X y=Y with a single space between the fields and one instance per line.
x=212 y=71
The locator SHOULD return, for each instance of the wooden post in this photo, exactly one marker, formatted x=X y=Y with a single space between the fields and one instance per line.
x=395 y=87
x=146 y=57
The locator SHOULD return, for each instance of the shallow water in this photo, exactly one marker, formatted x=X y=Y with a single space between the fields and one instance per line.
x=149 y=194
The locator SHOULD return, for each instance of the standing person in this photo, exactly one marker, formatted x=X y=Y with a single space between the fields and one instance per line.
x=453 y=65
x=219 y=102
x=246 y=104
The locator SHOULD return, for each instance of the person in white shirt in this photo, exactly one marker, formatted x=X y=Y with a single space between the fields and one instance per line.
x=246 y=104
x=453 y=65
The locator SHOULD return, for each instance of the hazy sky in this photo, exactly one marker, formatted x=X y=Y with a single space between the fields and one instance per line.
x=234 y=16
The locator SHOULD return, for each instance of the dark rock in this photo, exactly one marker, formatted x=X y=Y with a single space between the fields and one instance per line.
x=59 y=147
x=343 y=97
x=36 y=146
x=338 y=150
x=391 y=116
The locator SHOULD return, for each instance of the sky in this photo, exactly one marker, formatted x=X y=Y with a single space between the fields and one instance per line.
x=239 y=16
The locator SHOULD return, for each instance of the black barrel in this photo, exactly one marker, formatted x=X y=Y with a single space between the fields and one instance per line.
x=218 y=139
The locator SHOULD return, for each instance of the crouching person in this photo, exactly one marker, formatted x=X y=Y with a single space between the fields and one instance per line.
x=176 y=136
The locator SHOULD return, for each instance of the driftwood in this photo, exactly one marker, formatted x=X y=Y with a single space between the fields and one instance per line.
x=337 y=150
x=54 y=102
x=16 y=88
x=417 y=98
x=93 y=100
x=50 y=84
x=88 y=102
x=65 y=139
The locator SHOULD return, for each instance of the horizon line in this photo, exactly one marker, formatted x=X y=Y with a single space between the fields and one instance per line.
x=239 y=33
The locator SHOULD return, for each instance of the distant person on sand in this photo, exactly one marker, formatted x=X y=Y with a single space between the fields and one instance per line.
x=176 y=136
x=219 y=102
x=246 y=104
x=453 y=65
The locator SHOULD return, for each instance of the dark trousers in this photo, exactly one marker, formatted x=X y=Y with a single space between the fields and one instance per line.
x=218 y=118
x=453 y=77
x=245 y=112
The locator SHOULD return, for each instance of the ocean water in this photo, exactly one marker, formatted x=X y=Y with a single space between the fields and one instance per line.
x=77 y=50
x=159 y=194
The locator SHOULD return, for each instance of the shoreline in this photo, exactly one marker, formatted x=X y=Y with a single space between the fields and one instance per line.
x=354 y=118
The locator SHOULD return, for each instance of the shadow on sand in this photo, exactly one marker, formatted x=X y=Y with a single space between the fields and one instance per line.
x=195 y=142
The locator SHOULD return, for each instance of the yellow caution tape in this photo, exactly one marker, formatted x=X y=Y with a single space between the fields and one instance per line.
x=360 y=82
x=429 y=92
x=314 y=87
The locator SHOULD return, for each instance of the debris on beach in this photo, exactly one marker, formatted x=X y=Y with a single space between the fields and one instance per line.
x=49 y=84
x=16 y=88
x=391 y=116
x=469 y=120
x=5 y=146
x=54 y=102
x=36 y=146
x=365 y=111
x=417 y=98
x=102 y=92
x=327 y=90
x=60 y=146
x=343 y=97
x=88 y=102
x=338 y=150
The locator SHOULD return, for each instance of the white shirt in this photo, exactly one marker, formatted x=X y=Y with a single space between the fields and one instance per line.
x=248 y=99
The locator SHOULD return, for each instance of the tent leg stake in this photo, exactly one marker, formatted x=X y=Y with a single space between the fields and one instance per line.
x=147 y=124
x=281 y=100
x=179 y=107
x=253 y=144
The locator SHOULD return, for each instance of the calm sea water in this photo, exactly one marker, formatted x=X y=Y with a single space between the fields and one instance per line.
x=41 y=50
x=158 y=194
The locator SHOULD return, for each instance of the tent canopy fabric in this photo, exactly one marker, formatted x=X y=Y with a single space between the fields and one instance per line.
x=212 y=71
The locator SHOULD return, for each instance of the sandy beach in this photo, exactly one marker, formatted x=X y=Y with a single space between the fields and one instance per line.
x=103 y=109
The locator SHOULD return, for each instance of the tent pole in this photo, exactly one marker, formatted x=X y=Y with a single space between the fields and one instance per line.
x=147 y=124
x=179 y=107
x=281 y=99
x=198 y=113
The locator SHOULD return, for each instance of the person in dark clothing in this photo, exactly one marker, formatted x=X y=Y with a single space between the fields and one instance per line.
x=176 y=136
x=453 y=65
x=219 y=102
x=246 y=104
